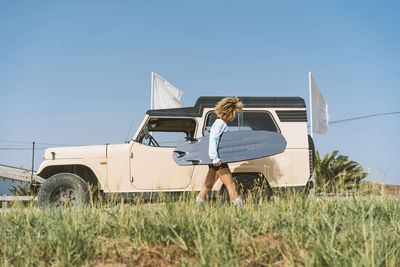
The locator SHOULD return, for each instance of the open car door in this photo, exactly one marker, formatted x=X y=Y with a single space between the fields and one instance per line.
x=152 y=165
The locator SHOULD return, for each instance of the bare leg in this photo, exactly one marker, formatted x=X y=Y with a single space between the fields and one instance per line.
x=211 y=178
x=226 y=177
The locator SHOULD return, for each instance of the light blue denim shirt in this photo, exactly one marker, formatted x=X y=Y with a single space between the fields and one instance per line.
x=217 y=129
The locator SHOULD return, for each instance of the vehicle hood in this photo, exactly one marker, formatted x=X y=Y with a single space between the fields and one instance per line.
x=75 y=152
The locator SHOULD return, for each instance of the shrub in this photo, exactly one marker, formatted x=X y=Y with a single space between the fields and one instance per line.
x=335 y=172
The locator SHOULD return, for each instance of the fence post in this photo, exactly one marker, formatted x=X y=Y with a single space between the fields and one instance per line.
x=33 y=164
x=4 y=204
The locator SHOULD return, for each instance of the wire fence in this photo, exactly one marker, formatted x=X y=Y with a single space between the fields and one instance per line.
x=364 y=117
x=6 y=145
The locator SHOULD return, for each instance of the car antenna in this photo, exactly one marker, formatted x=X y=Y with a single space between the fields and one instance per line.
x=130 y=127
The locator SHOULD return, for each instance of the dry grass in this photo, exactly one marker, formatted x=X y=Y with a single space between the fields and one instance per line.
x=267 y=249
x=393 y=190
x=257 y=251
x=289 y=231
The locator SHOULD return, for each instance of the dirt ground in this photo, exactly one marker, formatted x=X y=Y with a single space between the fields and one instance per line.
x=392 y=189
x=257 y=251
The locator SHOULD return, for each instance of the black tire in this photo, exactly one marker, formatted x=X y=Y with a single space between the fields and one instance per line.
x=248 y=184
x=63 y=189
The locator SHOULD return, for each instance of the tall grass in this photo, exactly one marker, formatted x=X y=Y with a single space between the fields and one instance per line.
x=289 y=230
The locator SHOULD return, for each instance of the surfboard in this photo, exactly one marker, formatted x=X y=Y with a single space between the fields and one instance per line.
x=233 y=147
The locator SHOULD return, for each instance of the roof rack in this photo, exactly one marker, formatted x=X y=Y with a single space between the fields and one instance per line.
x=248 y=101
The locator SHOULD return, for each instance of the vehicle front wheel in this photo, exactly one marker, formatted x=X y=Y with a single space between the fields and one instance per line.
x=63 y=189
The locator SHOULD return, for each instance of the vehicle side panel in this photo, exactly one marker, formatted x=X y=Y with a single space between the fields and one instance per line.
x=118 y=162
x=153 y=168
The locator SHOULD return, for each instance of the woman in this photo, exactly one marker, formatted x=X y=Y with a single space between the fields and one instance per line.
x=226 y=110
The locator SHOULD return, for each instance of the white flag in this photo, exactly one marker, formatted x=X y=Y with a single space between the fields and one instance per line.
x=319 y=109
x=164 y=94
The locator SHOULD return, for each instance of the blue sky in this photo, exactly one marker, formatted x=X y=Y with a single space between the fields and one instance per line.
x=78 y=72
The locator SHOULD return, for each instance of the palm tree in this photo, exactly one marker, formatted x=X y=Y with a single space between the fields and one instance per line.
x=335 y=172
x=21 y=189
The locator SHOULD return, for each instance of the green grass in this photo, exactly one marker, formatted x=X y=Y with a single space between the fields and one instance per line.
x=290 y=230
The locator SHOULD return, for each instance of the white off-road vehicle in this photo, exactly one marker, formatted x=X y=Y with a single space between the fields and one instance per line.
x=144 y=167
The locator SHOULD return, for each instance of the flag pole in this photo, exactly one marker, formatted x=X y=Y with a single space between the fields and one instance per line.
x=152 y=93
x=309 y=87
x=312 y=190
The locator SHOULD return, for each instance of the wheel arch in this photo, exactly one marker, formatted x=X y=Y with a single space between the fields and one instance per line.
x=250 y=175
x=83 y=171
x=254 y=175
x=251 y=182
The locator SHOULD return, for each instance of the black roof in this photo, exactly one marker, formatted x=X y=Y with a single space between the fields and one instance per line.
x=248 y=101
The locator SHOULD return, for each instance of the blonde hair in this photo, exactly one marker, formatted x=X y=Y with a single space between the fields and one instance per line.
x=227 y=108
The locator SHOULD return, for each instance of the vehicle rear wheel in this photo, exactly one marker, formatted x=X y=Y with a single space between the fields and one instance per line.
x=63 y=189
x=248 y=185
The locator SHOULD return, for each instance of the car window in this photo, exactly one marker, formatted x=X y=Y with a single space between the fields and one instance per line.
x=166 y=132
x=169 y=139
x=246 y=120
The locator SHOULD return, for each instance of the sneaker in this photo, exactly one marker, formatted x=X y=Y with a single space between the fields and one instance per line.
x=237 y=202
x=200 y=201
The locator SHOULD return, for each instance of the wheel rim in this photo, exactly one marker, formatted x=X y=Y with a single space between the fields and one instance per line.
x=63 y=196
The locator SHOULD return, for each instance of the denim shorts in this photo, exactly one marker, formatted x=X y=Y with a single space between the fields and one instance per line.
x=216 y=168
